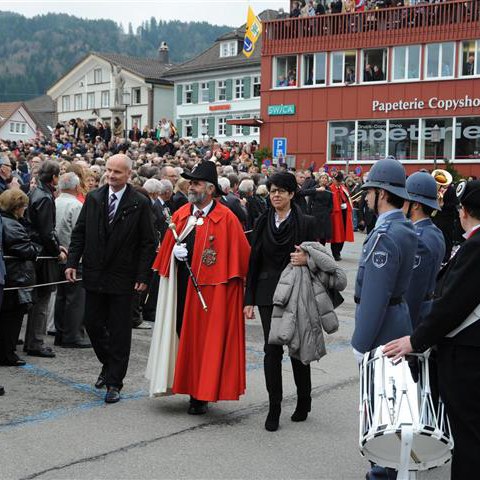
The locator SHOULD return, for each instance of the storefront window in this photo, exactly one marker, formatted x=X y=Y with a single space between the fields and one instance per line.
x=403 y=139
x=406 y=63
x=372 y=140
x=440 y=60
x=314 y=69
x=470 y=58
x=375 y=65
x=467 y=138
x=285 y=72
x=436 y=139
x=341 y=141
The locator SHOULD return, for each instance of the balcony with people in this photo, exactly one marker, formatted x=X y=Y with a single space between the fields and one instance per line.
x=368 y=23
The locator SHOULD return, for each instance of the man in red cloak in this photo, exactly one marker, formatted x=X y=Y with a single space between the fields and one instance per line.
x=210 y=363
x=342 y=221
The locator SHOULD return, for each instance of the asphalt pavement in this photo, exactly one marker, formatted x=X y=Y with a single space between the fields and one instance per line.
x=55 y=425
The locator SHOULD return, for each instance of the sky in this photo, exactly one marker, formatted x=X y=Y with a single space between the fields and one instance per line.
x=218 y=12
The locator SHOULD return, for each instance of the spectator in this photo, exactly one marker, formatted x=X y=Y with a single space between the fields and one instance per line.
x=368 y=73
x=296 y=10
x=20 y=272
x=231 y=201
x=469 y=67
x=309 y=9
x=5 y=173
x=377 y=74
x=181 y=191
x=254 y=204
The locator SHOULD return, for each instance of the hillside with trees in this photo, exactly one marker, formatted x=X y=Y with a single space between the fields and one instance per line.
x=36 y=51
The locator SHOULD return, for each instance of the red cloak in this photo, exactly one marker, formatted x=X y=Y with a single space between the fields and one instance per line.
x=341 y=232
x=210 y=363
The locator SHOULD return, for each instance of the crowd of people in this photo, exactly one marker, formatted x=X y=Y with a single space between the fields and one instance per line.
x=190 y=236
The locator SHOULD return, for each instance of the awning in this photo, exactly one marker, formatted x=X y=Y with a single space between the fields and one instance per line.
x=246 y=122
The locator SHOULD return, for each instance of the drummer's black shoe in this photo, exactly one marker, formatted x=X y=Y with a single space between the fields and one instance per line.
x=273 y=418
x=304 y=405
x=197 y=407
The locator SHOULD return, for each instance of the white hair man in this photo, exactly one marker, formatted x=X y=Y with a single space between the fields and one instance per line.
x=254 y=204
x=231 y=201
x=70 y=300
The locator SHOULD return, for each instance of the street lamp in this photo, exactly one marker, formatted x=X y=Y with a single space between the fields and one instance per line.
x=435 y=140
x=126 y=103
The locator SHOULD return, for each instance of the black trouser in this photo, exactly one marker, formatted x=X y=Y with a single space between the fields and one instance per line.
x=69 y=312
x=337 y=247
x=11 y=318
x=273 y=365
x=108 y=320
x=459 y=384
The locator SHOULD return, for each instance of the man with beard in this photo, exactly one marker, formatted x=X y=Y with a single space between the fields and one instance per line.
x=210 y=364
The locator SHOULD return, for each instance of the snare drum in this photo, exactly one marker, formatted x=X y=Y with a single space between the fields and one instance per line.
x=400 y=427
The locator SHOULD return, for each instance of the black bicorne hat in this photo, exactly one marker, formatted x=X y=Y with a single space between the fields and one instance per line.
x=205 y=171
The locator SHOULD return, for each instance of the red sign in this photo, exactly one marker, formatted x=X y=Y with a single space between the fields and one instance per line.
x=215 y=108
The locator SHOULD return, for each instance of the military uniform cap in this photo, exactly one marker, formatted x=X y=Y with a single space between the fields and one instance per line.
x=388 y=174
x=468 y=193
x=422 y=188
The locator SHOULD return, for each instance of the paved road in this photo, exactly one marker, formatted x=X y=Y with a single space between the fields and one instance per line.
x=55 y=425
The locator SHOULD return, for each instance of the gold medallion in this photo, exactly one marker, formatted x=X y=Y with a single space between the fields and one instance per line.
x=209 y=257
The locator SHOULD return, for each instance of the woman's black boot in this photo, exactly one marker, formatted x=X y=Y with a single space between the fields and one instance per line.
x=304 y=405
x=273 y=418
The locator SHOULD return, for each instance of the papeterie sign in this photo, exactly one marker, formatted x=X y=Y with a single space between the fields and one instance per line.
x=281 y=110
x=434 y=103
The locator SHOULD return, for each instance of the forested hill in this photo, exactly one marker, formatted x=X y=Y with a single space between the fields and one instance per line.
x=34 y=52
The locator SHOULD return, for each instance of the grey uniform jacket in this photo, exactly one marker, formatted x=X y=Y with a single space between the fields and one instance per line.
x=302 y=307
x=384 y=273
x=68 y=209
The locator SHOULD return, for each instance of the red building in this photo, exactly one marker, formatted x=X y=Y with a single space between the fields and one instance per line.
x=349 y=89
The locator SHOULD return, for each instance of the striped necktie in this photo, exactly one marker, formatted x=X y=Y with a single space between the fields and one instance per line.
x=111 y=207
x=199 y=213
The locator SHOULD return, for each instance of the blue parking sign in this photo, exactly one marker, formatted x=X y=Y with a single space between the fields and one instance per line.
x=279 y=147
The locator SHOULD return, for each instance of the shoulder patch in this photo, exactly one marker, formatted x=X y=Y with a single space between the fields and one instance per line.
x=380 y=259
x=416 y=261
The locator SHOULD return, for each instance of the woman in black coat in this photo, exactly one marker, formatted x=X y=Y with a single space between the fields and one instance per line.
x=320 y=207
x=20 y=273
x=275 y=240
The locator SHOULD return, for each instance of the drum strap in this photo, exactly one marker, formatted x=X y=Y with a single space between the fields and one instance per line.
x=405 y=451
x=470 y=320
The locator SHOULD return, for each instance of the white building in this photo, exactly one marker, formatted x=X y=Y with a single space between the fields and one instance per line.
x=87 y=90
x=220 y=87
x=16 y=122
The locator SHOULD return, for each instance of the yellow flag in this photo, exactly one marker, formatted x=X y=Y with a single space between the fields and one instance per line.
x=252 y=33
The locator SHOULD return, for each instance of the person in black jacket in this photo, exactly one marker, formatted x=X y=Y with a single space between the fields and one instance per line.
x=20 y=273
x=115 y=235
x=457 y=341
x=275 y=243
x=41 y=214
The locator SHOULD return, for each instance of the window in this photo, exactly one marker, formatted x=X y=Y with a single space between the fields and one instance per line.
x=12 y=127
x=137 y=119
x=256 y=86
x=136 y=96
x=406 y=63
x=238 y=129
x=467 y=142
x=375 y=65
x=403 y=139
x=255 y=131
x=66 y=103
x=239 y=88
x=314 y=68
x=24 y=128
x=188 y=93
x=204 y=92
x=440 y=60
x=372 y=140
x=442 y=149
x=203 y=126
x=221 y=126
x=343 y=67
x=18 y=127
x=78 y=101
x=221 y=90
x=97 y=75
x=188 y=128
x=341 y=140
x=105 y=99
x=470 y=58
x=285 y=72
x=228 y=49
x=90 y=100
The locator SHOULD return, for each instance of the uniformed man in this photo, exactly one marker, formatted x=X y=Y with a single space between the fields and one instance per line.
x=453 y=325
x=422 y=190
x=385 y=269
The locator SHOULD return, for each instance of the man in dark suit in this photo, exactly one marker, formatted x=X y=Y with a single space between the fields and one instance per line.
x=115 y=235
x=453 y=325
x=232 y=201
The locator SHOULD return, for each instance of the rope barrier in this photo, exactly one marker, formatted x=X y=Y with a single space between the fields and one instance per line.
x=41 y=285
x=38 y=258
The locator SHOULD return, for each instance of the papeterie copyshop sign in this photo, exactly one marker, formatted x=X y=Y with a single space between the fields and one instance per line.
x=433 y=103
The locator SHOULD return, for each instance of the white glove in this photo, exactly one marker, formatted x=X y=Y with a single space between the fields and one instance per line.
x=180 y=252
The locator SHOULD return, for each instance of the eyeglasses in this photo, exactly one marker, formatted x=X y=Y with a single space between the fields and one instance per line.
x=6 y=165
x=280 y=191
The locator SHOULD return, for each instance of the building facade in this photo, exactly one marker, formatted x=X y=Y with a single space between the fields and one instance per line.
x=217 y=93
x=87 y=90
x=348 y=89
x=17 y=123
